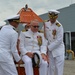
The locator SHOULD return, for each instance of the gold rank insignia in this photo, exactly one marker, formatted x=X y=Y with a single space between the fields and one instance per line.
x=58 y=24
x=39 y=39
x=46 y=20
x=41 y=31
x=24 y=30
x=54 y=33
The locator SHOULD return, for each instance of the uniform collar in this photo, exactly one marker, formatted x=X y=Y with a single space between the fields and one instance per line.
x=12 y=26
x=32 y=32
x=53 y=23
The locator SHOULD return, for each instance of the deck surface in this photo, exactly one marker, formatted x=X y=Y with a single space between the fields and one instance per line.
x=69 y=68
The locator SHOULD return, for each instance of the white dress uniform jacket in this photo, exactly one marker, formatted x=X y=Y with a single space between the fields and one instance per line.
x=29 y=42
x=8 y=50
x=8 y=41
x=54 y=35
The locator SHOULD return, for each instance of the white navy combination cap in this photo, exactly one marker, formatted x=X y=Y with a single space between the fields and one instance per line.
x=2 y=23
x=54 y=11
x=13 y=17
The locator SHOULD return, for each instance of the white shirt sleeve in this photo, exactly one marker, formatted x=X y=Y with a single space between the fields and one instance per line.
x=22 y=43
x=13 y=47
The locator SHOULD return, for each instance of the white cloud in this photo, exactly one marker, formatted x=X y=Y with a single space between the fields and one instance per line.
x=10 y=7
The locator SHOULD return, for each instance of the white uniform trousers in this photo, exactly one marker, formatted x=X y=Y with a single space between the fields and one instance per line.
x=29 y=68
x=56 y=64
x=7 y=69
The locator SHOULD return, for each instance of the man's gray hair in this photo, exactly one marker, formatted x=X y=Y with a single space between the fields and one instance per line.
x=34 y=21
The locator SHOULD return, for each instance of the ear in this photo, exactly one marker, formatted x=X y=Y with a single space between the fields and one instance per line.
x=57 y=16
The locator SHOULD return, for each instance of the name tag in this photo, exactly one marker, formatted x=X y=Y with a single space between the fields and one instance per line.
x=27 y=37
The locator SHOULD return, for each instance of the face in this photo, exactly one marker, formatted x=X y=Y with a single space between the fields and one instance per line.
x=14 y=23
x=34 y=26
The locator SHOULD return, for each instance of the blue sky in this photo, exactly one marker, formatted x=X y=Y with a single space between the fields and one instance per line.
x=11 y=7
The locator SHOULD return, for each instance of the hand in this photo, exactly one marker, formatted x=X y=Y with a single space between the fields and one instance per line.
x=44 y=57
x=30 y=54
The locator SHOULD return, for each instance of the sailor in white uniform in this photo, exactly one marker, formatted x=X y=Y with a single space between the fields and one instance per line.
x=54 y=35
x=32 y=41
x=8 y=50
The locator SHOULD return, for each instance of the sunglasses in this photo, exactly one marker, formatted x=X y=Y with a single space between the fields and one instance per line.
x=36 y=26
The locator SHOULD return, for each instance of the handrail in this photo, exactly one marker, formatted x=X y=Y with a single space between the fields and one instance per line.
x=71 y=51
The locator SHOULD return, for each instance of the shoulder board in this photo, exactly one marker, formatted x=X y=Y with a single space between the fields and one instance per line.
x=40 y=31
x=23 y=30
x=15 y=30
x=58 y=24
x=46 y=20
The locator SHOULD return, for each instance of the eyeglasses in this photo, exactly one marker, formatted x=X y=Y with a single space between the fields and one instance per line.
x=36 y=26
